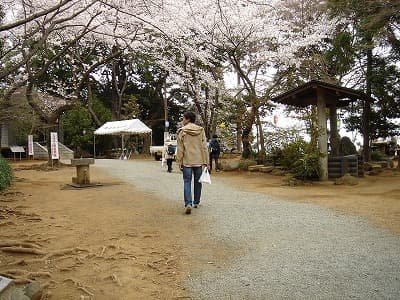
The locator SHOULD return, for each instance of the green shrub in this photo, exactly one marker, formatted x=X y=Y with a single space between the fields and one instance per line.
x=261 y=157
x=244 y=164
x=378 y=156
x=308 y=166
x=275 y=157
x=301 y=159
x=5 y=174
x=293 y=152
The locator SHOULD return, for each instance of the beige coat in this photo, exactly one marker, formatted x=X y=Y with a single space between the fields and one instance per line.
x=192 y=146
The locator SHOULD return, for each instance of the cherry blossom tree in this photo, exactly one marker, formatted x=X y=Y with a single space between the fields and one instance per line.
x=255 y=39
x=195 y=42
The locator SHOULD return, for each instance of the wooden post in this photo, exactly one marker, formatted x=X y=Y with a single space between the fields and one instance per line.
x=334 y=138
x=94 y=145
x=322 y=134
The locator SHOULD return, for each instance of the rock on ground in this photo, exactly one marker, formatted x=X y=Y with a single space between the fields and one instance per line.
x=346 y=179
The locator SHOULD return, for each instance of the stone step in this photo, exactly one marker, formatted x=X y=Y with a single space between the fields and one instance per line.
x=41 y=153
x=267 y=169
x=255 y=168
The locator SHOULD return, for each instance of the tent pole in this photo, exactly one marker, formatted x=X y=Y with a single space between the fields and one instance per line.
x=123 y=147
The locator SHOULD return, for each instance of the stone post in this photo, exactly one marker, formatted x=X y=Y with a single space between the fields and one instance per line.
x=82 y=170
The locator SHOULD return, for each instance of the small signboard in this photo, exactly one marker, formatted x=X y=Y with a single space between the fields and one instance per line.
x=30 y=145
x=17 y=149
x=54 y=145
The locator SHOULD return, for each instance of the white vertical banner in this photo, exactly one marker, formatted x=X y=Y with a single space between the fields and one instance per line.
x=30 y=145
x=54 y=145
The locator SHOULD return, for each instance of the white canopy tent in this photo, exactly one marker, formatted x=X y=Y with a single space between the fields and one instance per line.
x=125 y=127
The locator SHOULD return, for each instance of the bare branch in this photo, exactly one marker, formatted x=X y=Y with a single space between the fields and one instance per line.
x=34 y=16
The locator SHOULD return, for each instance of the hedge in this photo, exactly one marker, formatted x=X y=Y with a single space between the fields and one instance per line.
x=5 y=174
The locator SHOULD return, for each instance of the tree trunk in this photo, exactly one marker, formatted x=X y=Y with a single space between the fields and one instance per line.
x=239 y=124
x=261 y=134
x=165 y=100
x=367 y=109
x=207 y=124
x=214 y=113
x=247 y=128
x=90 y=108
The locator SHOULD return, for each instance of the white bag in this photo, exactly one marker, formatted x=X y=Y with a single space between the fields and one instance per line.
x=205 y=177
x=163 y=162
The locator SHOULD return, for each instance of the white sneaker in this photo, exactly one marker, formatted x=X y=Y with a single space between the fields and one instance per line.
x=188 y=209
x=196 y=205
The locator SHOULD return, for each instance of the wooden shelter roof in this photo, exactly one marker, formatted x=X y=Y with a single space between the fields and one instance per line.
x=306 y=95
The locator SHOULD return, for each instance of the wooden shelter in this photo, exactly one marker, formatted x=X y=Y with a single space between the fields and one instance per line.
x=323 y=95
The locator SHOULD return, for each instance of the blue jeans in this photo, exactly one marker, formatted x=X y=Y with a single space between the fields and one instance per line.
x=187 y=184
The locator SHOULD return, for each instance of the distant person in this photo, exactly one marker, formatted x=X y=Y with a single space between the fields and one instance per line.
x=169 y=152
x=191 y=156
x=215 y=151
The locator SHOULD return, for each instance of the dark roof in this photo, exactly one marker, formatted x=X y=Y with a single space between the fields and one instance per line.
x=47 y=102
x=306 y=95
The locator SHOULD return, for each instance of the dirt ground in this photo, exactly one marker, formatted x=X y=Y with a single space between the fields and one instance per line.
x=376 y=198
x=113 y=242
x=109 y=242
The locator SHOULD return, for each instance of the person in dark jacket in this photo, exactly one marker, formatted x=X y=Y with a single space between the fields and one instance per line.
x=215 y=151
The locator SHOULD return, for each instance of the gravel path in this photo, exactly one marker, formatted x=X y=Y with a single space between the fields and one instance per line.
x=280 y=249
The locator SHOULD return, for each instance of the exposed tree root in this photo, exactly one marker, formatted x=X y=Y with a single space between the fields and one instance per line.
x=153 y=267
x=27 y=274
x=24 y=244
x=49 y=285
x=48 y=256
x=32 y=275
x=114 y=279
x=22 y=276
x=102 y=251
x=66 y=269
x=46 y=295
x=34 y=219
x=22 y=280
x=80 y=286
x=22 y=250
x=64 y=252
x=9 y=223
x=8 y=200
x=13 y=273
x=85 y=290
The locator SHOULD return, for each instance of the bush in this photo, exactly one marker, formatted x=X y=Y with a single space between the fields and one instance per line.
x=378 y=156
x=307 y=166
x=293 y=152
x=5 y=174
x=275 y=157
x=301 y=159
x=244 y=164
